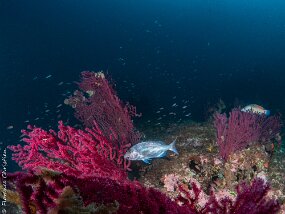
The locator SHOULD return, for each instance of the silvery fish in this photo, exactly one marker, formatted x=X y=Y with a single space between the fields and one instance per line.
x=148 y=150
x=256 y=109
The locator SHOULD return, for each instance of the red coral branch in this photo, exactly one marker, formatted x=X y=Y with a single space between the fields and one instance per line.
x=97 y=101
x=250 y=199
x=243 y=128
x=72 y=151
x=132 y=197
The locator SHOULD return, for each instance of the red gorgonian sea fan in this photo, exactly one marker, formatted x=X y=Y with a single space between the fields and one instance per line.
x=251 y=199
x=243 y=128
x=43 y=190
x=72 y=151
x=97 y=101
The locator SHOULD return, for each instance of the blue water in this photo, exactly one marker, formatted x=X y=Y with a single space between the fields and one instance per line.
x=157 y=52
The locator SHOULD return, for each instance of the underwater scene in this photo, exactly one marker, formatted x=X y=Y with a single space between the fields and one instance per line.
x=142 y=107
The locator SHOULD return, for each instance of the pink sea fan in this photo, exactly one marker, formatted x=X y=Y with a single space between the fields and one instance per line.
x=242 y=129
x=132 y=197
x=75 y=152
x=251 y=199
x=97 y=101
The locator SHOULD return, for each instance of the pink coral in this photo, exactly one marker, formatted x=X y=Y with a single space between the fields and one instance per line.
x=171 y=182
x=223 y=193
x=72 y=151
x=195 y=197
x=251 y=199
x=132 y=197
x=242 y=129
x=217 y=161
x=97 y=101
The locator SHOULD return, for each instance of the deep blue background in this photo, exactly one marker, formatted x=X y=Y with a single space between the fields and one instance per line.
x=154 y=51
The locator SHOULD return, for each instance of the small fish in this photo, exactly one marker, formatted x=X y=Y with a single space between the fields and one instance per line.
x=174 y=105
x=187 y=115
x=59 y=105
x=255 y=109
x=148 y=150
x=48 y=76
x=10 y=127
x=59 y=84
x=184 y=107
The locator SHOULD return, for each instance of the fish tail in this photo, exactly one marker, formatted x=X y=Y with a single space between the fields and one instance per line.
x=173 y=148
x=267 y=112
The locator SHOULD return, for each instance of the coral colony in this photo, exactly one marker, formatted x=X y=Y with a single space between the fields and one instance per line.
x=83 y=170
x=97 y=101
x=242 y=129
